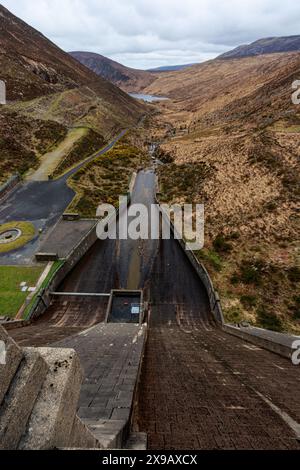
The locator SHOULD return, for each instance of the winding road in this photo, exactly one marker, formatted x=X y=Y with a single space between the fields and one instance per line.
x=41 y=203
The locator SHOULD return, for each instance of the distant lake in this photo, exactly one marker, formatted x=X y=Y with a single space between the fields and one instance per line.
x=148 y=98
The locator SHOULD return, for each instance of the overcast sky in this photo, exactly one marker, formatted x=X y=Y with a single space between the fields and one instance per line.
x=148 y=33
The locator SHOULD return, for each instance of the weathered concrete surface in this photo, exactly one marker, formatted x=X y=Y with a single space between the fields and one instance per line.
x=278 y=343
x=20 y=399
x=203 y=389
x=110 y=434
x=52 y=417
x=111 y=357
x=81 y=437
x=65 y=236
x=64 y=318
x=12 y=360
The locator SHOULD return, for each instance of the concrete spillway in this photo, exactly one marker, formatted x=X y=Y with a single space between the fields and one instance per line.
x=119 y=264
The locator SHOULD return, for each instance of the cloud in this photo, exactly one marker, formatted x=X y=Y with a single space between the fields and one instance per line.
x=147 y=33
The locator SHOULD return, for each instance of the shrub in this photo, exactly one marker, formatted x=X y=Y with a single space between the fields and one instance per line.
x=294 y=274
x=233 y=315
x=211 y=258
x=269 y=320
x=251 y=272
x=221 y=245
x=295 y=307
x=248 y=301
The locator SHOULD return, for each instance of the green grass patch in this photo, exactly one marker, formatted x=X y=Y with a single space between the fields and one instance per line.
x=11 y=296
x=210 y=259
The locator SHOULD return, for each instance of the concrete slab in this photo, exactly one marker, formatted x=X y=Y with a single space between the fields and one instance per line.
x=65 y=236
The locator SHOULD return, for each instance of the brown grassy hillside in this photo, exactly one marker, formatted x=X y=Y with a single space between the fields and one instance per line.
x=126 y=78
x=46 y=84
x=235 y=119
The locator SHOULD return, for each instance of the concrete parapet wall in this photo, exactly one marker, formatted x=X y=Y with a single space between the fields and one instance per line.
x=278 y=343
x=39 y=393
x=45 y=257
x=51 y=421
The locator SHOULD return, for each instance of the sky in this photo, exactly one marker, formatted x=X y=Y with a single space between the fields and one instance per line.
x=151 y=33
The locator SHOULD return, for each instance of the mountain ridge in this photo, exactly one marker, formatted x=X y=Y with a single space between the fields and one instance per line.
x=126 y=78
x=263 y=46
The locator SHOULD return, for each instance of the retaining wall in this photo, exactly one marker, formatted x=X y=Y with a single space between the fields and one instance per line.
x=278 y=343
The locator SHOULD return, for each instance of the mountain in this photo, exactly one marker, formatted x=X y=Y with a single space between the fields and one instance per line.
x=170 y=68
x=48 y=93
x=264 y=46
x=124 y=77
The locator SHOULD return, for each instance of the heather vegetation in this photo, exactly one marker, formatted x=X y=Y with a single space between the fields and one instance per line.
x=106 y=178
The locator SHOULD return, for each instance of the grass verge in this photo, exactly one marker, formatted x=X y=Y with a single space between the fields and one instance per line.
x=11 y=296
x=55 y=267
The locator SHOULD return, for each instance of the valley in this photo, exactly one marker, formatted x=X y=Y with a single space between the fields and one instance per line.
x=134 y=341
x=232 y=143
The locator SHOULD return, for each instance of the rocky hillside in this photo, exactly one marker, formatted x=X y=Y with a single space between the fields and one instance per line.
x=264 y=46
x=126 y=78
x=231 y=138
x=48 y=92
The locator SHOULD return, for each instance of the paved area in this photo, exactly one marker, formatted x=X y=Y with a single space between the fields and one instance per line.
x=204 y=389
x=65 y=236
x=110 y=355
x=41 y=203
x=199 y=390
